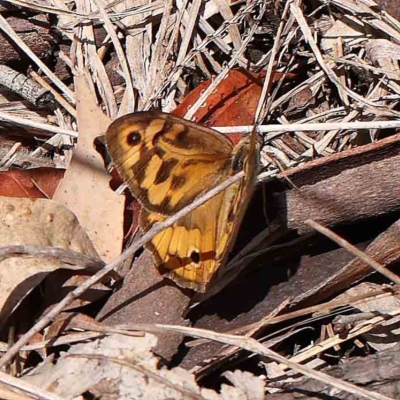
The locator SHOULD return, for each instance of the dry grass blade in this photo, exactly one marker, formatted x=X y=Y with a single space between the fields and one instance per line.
x=200 y=101
x=51 y=10
x=326 y=67
x=387 y=25
x=130 y=98
x=63 y=340
x=200 y=47
x=311 y=127
x=44 y=127
x=190 y=25
x=157 y=64
x=353 y=250
x=261 y=109
x=226 y=12
x=28 y=388
x=362 y=328
x=325 y=308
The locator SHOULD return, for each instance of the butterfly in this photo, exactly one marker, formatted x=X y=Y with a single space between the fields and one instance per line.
x=167 y=162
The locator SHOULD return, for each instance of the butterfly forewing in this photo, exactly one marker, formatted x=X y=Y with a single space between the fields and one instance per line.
x=165 y=160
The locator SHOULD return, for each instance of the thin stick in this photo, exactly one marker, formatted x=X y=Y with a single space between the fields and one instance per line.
x=56 y=95
x=261 y=111
x=5 y=27
x=38 y=125
x=311 y=127
x=27 y=387
x=47 y=318
x=353 y=250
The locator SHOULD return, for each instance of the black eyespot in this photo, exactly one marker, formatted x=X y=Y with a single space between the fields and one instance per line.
x=195 y=256
x=134 y=138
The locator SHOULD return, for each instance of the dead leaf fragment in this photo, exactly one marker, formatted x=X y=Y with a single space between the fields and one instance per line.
x=129 y=370
x=225 y=106
x=385 y=54
x=85 y=188
x=38 y=222
x=346 y=29
x=31 y=183
x=385 y=336
x=251 y=386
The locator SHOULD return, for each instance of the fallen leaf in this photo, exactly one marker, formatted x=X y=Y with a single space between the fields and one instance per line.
x=237 y=82
x=124 y=367
x=32 y=183
x=85 y=188
x=40 y=223
x=233 y=103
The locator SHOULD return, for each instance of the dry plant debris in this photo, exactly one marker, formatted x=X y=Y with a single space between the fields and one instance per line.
x=320 y=79
x=124 y=367
x=35 y=223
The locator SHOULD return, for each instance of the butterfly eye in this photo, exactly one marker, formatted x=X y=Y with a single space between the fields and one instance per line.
x=239 y=158
x=134 y=138
x=195 y=256
x=237 y=164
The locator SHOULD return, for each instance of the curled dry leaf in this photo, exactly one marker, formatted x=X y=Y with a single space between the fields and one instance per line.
x=124 y=367
x=39 y=223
